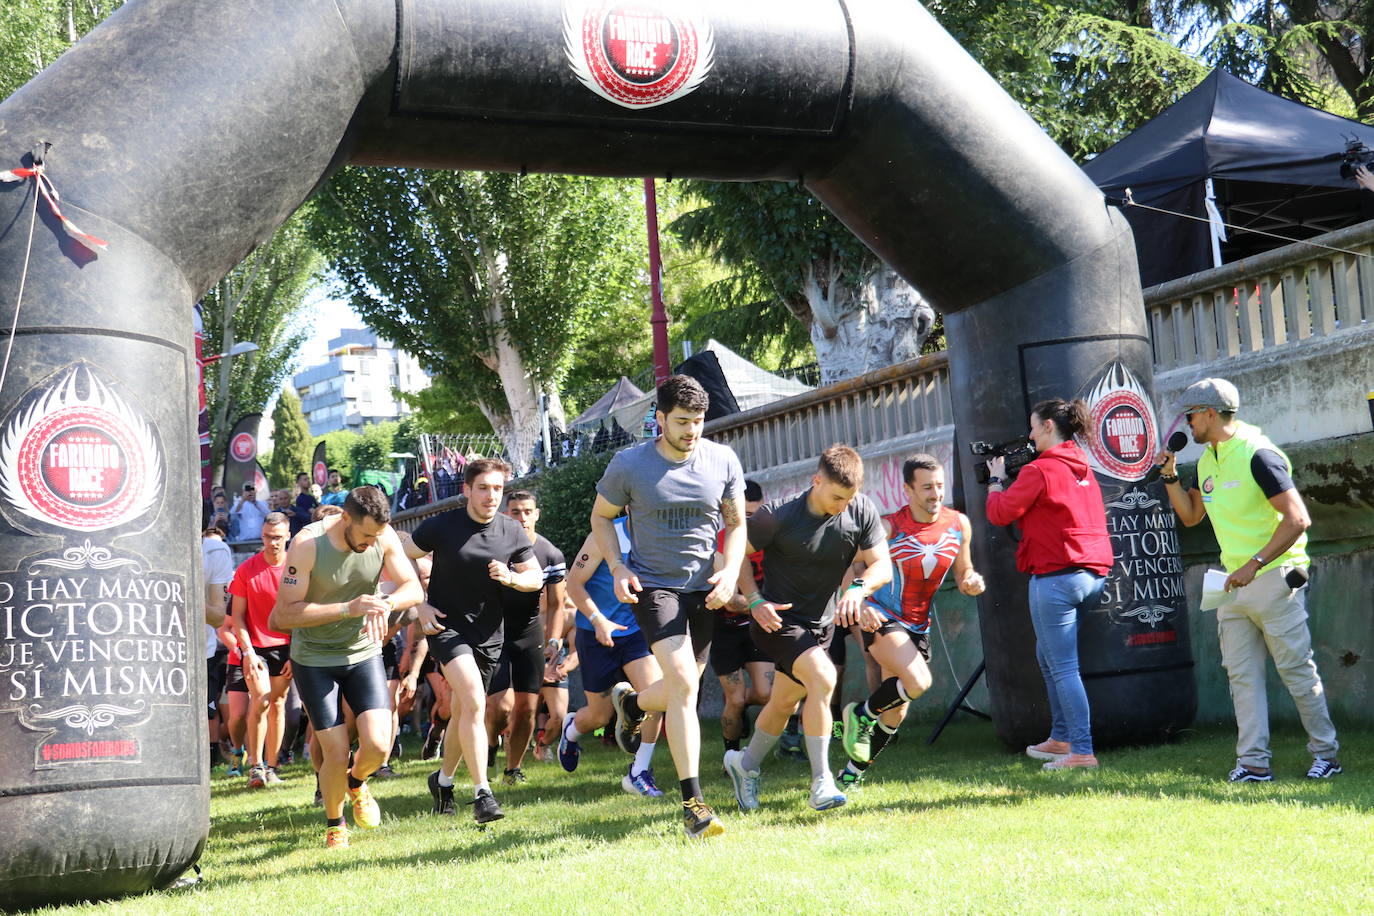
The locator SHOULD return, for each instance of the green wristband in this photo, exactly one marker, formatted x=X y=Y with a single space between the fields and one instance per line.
x=756 y=602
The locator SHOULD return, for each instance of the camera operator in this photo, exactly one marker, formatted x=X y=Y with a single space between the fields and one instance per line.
x=1065 y=548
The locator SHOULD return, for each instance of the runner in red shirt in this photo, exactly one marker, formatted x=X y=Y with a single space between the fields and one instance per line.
x=264 y=655
x=926 y=539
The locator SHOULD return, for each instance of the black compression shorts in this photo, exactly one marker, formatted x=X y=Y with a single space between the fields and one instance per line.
x=664 y=612
x=732 y=648
x=786 y=644
x=920 y=640
x=324 y=689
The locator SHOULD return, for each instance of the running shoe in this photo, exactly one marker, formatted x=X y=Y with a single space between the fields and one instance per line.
x=746 y=782
x=824 y=794
x=366 y=814
x=699 y=821
x=849 y=779
x=233 y=768
x=627 y=726
x=858 y=733
x=514 y=777
x=641 y=783
x=484 y=807
x=434 y=741
x=385 y=772
x=1323 y=768
x=272 y=778
x=542 y=752
x=569 y=752
x=442 y=795
x=1072 y=762
x=1049 y=749
x=837 y=729
x=336 y=838
x=1245 y=774
x=257 y=777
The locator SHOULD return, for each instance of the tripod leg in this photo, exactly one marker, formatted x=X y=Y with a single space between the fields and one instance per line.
x=958 y=701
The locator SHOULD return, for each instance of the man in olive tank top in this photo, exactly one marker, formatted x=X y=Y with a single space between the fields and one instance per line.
x=328 y=600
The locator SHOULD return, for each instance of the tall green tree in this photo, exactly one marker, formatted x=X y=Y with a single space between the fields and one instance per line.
x=34 y=33
x=264 y=299
x=493 y=281
x=292 y=446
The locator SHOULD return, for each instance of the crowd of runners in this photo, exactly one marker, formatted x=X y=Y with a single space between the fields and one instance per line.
x=685 y=562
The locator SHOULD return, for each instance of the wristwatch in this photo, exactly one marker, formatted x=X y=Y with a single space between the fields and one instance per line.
x=994 y=480
x=1260 y=560
x=857 y=582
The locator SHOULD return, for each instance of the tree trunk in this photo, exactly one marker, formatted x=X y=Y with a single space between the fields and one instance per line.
x=883 y=323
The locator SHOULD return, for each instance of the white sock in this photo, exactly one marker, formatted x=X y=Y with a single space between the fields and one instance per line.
x=477 y=789
x=571 y=732
x=644 y=758
x=445 y=780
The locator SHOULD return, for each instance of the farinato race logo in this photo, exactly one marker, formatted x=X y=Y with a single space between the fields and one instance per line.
x=1123 y=423
x=638 y=55
x=77 y=456
x=243 y=447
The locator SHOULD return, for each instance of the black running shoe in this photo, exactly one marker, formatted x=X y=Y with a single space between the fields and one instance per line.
x=484 y=807
x=699 y=821
x=385 y=772
x=442 y=795
x=433 y=742
x=626 y=726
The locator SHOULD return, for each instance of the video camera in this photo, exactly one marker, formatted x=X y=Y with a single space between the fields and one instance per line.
x=1018 y=453
x=1356 y=155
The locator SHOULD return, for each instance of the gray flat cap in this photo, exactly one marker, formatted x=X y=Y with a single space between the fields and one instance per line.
x=1216 y=393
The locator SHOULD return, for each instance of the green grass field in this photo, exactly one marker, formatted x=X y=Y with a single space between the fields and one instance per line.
x=961 y=827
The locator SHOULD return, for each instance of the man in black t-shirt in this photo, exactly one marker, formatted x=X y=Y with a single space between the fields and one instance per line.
x=479 y=556
x=808 y=544
x=513 y=697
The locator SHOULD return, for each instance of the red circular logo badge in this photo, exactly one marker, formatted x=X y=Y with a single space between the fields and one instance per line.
x=85 y=462
x=321 y=473
x=1123 y=441
x=243 y=447
x=638 y=55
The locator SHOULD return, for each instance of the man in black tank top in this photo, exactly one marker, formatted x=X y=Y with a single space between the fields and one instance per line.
x=328 y=599
x=479 y=556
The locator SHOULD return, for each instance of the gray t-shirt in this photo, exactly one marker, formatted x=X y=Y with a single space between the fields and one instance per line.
x=674 y=510
x=805 y=555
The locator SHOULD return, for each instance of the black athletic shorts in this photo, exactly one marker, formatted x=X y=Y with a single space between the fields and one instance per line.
x=391 y=661
x=446 y=645
x=920 y=640
x=664 y=612
x=732 y=648
x=323 y=690
x=522 y=660
x=276 y=657
x=839 y=648
x=215 y=670
x=786 y=644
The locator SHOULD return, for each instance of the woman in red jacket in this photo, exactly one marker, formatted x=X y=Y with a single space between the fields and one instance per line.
x=1067 y=552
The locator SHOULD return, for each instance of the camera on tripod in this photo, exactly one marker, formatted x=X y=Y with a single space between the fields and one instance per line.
x=1356 y=156
x=1018 y=453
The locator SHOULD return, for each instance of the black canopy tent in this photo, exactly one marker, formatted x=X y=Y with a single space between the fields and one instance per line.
x=1274 y=166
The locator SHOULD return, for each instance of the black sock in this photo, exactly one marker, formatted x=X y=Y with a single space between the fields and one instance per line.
x=887 y=696
x=353 y=781
x=837 y=708
x=491 y=755
x=691 y=788
x=732 y=744
x=881 y=736
x=630 y=703
x=334 y=821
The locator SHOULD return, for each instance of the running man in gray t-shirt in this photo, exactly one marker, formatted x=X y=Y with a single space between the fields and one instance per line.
x=679 y=490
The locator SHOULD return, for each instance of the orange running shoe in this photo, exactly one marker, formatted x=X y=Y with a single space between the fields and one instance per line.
x=336 y=838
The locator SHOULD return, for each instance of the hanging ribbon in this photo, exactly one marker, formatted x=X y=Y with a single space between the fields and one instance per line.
x=49 y=194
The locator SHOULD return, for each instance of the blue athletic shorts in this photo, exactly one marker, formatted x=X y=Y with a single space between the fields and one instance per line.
x=602 y=668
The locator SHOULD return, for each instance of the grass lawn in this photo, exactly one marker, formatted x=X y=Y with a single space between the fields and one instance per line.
x=961 y=827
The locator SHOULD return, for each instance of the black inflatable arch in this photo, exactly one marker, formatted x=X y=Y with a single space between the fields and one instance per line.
x=183 y=132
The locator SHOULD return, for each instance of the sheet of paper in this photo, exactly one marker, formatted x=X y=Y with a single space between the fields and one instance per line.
x=1214 y=593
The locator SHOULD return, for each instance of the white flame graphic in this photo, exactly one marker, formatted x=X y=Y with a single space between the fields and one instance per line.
x=575 y=14
x=63 y=395
x=1119 y=378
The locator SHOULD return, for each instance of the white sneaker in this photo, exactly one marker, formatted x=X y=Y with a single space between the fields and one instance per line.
x=746 y=782
x=825 y=795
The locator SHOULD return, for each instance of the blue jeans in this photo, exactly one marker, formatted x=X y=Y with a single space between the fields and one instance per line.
x=1054 y=605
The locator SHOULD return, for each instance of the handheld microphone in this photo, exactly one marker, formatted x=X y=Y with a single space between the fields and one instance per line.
x=1177 y=443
